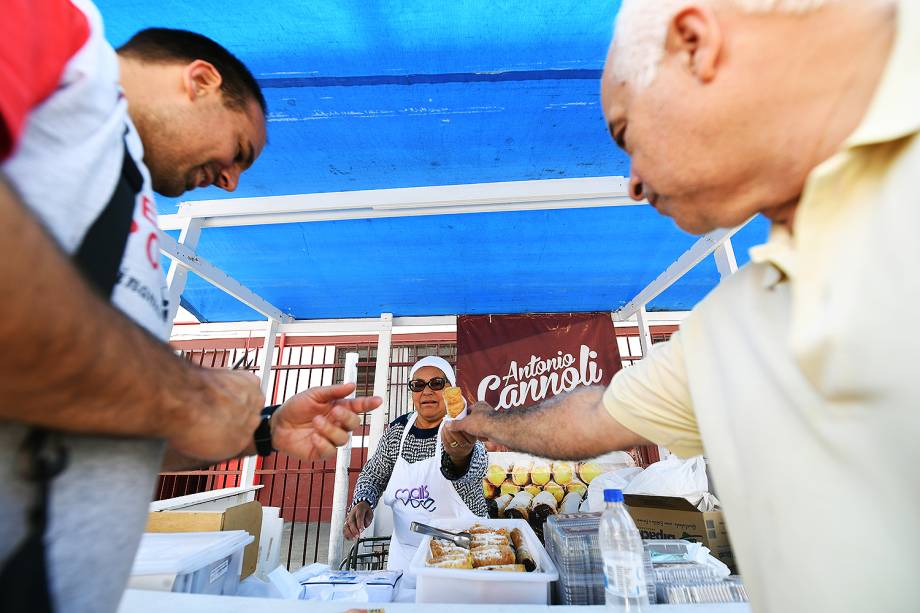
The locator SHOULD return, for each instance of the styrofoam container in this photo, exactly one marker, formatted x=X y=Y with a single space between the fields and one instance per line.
x=454 y=585
x=202 y=562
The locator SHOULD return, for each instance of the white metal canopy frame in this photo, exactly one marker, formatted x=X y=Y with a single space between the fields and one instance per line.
x=437 y=200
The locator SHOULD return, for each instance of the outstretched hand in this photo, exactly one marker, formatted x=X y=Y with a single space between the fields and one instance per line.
x=313 y=423
x=475 y=424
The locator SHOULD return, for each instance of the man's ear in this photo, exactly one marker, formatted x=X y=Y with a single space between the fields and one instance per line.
x=695 y=37
x=200 y=79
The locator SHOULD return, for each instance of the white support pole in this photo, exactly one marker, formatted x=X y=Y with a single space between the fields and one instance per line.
x=725 y=259
x=690 y=258
x=248 y=469
x=381 y=384
x=188 y=258
x=340 y=493
x=645 y=335
x=178 y=274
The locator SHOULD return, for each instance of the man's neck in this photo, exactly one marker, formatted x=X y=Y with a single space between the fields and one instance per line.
x=835 y=57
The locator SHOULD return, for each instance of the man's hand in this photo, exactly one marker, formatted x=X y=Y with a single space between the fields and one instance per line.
x=313 y=423
x=475 y=425
x=359 y=518
x=222 y=427
x=572 y=426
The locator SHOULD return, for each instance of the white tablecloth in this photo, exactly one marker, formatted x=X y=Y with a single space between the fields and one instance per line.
x=136 y=601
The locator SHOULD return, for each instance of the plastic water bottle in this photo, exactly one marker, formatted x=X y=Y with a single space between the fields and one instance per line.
x=623 y=555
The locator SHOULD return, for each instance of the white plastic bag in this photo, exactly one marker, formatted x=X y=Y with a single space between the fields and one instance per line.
x=617 y=480
x=285 y=583
x=253 y=587
x=672 y=477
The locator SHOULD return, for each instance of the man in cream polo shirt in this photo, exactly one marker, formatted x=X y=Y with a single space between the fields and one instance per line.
x=798 y=376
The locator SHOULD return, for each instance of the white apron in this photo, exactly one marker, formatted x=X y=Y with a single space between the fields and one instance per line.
x=418 y=492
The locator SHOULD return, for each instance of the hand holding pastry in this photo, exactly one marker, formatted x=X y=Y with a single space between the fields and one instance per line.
x=458 y=445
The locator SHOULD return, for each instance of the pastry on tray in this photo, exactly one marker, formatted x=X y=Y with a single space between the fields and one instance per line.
x=510 y=568
x=521 y=553
x=463 y=562
x=477 y=529
x=492 y=555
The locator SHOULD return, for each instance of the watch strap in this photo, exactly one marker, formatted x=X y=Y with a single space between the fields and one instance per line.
x=263 y=434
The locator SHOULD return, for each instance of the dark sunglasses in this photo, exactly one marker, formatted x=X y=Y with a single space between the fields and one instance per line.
x=435 y=383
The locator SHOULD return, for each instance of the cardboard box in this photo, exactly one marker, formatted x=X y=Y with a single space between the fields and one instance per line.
x=246 y=516
x=667 y=517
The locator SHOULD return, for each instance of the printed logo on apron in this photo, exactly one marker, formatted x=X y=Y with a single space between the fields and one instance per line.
x=417 y=498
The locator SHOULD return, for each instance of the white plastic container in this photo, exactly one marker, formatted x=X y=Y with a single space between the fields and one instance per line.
x=200 y=562
x=450 y=585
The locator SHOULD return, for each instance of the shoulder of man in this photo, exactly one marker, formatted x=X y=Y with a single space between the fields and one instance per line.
x=37 y=40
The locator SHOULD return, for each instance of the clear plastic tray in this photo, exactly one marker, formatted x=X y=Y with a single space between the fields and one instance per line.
x=202 y=562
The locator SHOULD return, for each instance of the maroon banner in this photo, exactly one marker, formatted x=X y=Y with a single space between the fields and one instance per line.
x=521 y=360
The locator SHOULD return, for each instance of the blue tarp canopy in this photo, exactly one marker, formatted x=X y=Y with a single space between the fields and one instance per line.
x=366 y=96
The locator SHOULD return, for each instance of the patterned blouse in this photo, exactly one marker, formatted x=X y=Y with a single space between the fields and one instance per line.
x=420 y=445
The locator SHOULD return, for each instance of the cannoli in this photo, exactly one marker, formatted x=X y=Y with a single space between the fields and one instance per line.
x=587 y=471
x=540 y=473
x=465 y=561
x=488 y=490
x=519 y=507
x=563 y=472
x=532 y=489
x=520 y=474
x=542 y=507
x=509 y=488
x=490 y=540
x=479 y=529
x=570 y=503
x=496 y=474
x=522 y=554
x=511 y=568
x=501 y=503
x=555 y=489
x=455 y=402
x=492 y=556
x=443 y=549
x=576 y=486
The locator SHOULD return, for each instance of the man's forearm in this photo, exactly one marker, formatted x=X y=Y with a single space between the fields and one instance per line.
x=574 y=426
x=73 y=362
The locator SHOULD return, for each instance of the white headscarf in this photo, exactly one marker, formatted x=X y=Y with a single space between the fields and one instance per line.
x=439 y=363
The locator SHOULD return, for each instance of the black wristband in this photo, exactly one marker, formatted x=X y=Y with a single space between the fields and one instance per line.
x=263 y=434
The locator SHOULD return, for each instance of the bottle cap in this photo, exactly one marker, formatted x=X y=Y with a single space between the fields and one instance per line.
x=613 y=495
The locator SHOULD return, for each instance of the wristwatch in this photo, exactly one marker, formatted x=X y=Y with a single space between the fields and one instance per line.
x=263 y=434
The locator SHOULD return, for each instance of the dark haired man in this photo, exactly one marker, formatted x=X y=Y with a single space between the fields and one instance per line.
x=197 y=108
x=90 y=396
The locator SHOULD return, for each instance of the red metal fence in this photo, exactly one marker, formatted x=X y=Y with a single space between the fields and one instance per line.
x=303 y=490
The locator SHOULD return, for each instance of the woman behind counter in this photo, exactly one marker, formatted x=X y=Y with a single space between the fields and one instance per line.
x=412 y=473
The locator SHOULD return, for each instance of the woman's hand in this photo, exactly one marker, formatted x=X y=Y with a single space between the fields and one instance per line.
x=458 y=445
x=359 y=518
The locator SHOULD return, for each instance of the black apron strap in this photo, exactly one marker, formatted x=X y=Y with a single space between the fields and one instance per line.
x=24 y=582
x=99 y=255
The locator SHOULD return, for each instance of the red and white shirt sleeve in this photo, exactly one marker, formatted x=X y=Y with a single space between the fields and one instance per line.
x=37 y=40
x=65 y=126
